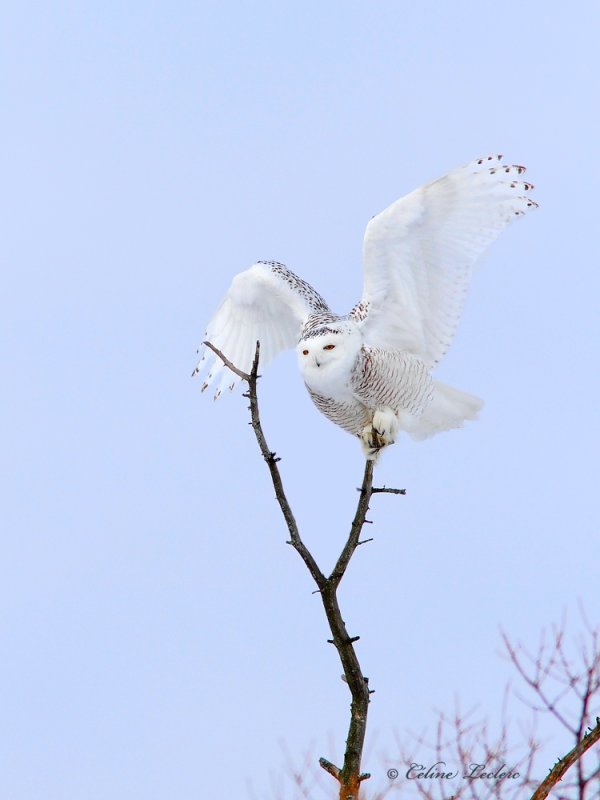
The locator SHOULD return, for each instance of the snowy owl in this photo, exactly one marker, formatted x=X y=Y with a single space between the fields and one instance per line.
x=369 y=371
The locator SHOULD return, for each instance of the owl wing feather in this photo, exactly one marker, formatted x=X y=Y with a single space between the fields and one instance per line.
x=419 y=254
x=266 y=303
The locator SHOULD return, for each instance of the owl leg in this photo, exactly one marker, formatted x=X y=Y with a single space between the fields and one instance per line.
x=380 y=432
x=385 y=426
x=367 y=441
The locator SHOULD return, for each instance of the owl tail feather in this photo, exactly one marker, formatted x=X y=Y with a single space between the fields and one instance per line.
x=448 y=409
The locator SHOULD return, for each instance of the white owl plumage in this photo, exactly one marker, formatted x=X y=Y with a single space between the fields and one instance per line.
x=369 y=371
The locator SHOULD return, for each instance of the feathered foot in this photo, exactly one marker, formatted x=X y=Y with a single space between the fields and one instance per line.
x=379 y=433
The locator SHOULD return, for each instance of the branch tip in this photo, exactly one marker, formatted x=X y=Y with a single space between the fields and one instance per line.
x=330 y=768
x=240 y=373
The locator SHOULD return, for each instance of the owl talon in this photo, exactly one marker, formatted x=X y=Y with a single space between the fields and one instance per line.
x=371 y=447
x=385 y=426
x=379 y=433
x=378 y=439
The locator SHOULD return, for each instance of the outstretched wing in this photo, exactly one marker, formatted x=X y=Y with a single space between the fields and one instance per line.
x=419 y=254
x=267 y=303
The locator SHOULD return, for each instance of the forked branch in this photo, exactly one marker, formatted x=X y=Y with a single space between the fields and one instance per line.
x=349 y=775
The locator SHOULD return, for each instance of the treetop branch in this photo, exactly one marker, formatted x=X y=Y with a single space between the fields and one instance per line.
x=243 y=375
x=349 y=776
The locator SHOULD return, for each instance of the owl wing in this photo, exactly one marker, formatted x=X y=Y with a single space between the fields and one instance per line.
x=266 y=303
x=419 y=253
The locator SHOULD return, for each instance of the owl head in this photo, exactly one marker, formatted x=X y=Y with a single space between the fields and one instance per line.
x=329 y=350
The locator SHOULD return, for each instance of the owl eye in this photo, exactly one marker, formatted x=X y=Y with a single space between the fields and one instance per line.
x=328 y=347
x=305 y=352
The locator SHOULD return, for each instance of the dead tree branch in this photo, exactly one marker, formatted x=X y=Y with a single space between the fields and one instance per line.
x=349 y=775
x=563 y=764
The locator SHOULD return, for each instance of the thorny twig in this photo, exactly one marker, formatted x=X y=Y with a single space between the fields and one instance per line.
x=349 y=775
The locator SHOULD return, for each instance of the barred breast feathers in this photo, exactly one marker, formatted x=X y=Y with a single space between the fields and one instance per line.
x=392 y=378
x=352 y=416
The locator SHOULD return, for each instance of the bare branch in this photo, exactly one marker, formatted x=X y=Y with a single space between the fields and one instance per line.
x=243 y=375
x=543 y=666
x=349 y=776
x=563 y=764
x=272 y=460
x=357 y=526
x=330 y=768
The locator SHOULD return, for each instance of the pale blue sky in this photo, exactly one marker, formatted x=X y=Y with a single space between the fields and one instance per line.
x=158 y=638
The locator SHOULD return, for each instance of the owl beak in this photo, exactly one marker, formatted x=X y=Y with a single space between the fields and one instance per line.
x=317 y=363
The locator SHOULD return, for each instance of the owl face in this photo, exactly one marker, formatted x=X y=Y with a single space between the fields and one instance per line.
x=319 y=351
x=328 y=357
